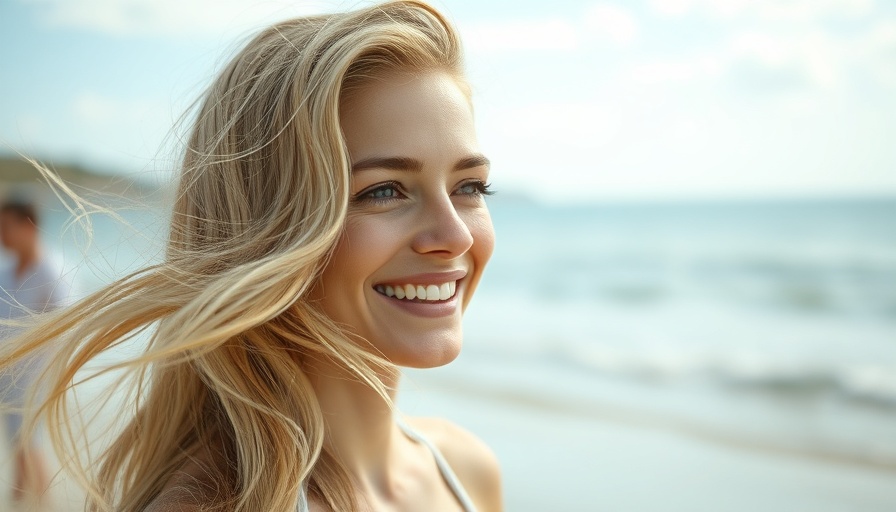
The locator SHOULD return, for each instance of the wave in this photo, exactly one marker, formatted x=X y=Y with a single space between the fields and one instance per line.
x=868 y=384
x=875 y=450
x=860 y=384
x=805 y=257
x=857 y=286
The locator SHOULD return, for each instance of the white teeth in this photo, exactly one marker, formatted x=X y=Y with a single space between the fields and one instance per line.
x=432 y=292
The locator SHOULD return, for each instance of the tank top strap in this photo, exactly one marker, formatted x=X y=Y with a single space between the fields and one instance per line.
x=302 y=506
x=447 y=473
x=444 y=468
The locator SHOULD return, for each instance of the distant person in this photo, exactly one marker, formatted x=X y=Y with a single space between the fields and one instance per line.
x=31 y=283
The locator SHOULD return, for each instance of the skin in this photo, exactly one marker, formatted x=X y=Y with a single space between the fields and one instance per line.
x=21 y=238
x=435 y=220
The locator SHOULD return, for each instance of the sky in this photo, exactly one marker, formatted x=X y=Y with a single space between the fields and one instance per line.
x=575 y=100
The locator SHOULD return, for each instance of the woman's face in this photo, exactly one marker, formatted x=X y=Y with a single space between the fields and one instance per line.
x=418 y=233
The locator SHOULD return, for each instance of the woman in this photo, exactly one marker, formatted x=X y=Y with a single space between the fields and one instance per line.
x=330 y=226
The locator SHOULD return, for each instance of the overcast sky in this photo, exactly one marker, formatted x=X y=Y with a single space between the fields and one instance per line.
x=575 y=100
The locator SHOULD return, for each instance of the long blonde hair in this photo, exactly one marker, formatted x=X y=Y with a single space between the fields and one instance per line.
x=261 y=203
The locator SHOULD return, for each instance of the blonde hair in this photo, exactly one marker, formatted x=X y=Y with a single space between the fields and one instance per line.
x=261 y=202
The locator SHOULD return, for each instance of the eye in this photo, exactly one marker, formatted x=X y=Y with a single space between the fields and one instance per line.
x=380 y=192
x=474 y=188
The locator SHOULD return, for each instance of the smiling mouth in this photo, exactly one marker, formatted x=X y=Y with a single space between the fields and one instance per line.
x=418 y=292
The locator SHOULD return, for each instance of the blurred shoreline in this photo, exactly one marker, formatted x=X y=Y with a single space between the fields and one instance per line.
x=556 y=456
x=631 y=416
x=15 y=171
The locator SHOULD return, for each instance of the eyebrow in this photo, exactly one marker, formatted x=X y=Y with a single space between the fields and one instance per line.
x=400 y=163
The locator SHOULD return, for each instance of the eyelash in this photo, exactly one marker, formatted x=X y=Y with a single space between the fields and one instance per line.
x=481 y=189
x=367 y=194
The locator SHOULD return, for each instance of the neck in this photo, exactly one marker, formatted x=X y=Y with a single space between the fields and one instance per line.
x=361 y=430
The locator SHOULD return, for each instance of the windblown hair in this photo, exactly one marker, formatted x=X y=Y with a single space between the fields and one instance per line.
x=261 y=203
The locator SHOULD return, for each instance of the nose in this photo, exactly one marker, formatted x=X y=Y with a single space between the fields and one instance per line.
x=442 y=231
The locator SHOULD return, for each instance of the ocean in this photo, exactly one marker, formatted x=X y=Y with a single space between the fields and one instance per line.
x=764 y=324
x=768 y=325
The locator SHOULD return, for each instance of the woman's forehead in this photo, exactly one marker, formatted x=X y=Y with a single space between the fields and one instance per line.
x=407 y=116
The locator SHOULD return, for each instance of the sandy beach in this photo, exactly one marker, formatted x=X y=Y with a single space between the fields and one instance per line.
x=553 y=460
x=561 y=461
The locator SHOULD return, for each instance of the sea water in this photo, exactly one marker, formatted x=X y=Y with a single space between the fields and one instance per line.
x=768 y=324
x=764 y=324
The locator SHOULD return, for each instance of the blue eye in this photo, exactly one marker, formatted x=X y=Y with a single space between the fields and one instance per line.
x=381 y=192
x=475 y=188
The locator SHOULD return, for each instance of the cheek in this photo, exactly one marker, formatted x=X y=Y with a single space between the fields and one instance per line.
x=480 y=225
x=366 y=245
x=483 y=232
x=7 y=234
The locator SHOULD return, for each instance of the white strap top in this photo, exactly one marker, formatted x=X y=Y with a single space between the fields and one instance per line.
x=447 y=473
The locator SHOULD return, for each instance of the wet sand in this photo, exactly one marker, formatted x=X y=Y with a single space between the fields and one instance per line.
x=554 y=460
x=558 y=461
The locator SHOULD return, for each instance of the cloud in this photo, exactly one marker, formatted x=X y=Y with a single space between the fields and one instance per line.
x=93 y=109
x=764 y=10
x=816 y=57
x=520 y=35
x=611 y=23
x=601 y=24
x=671 y=7
x=755 y=78
x=676 y=70
x=173 y=18
x=581 y=124
x=779 y=45
x=809 y=10
x=769 y=60
x=877 y=51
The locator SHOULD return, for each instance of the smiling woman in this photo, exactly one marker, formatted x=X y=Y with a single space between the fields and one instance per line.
x=330 y=227
x=417 y=223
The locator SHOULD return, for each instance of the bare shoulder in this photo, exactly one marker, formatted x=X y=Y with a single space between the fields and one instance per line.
x=187 y=493
x=196 y=487
x=474 y=463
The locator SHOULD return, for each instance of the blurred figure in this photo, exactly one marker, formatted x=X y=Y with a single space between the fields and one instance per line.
x=31 y=283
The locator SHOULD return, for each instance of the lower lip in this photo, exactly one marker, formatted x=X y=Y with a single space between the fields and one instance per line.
x=434 y=309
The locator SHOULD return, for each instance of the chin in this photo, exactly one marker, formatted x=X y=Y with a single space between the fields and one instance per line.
x=429 y=354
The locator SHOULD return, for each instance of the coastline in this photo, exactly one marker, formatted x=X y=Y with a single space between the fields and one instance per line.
x=631 y=417
x=558 y=457
x=555 y=459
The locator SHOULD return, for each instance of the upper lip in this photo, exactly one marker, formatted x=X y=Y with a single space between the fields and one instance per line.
x=427 y=278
